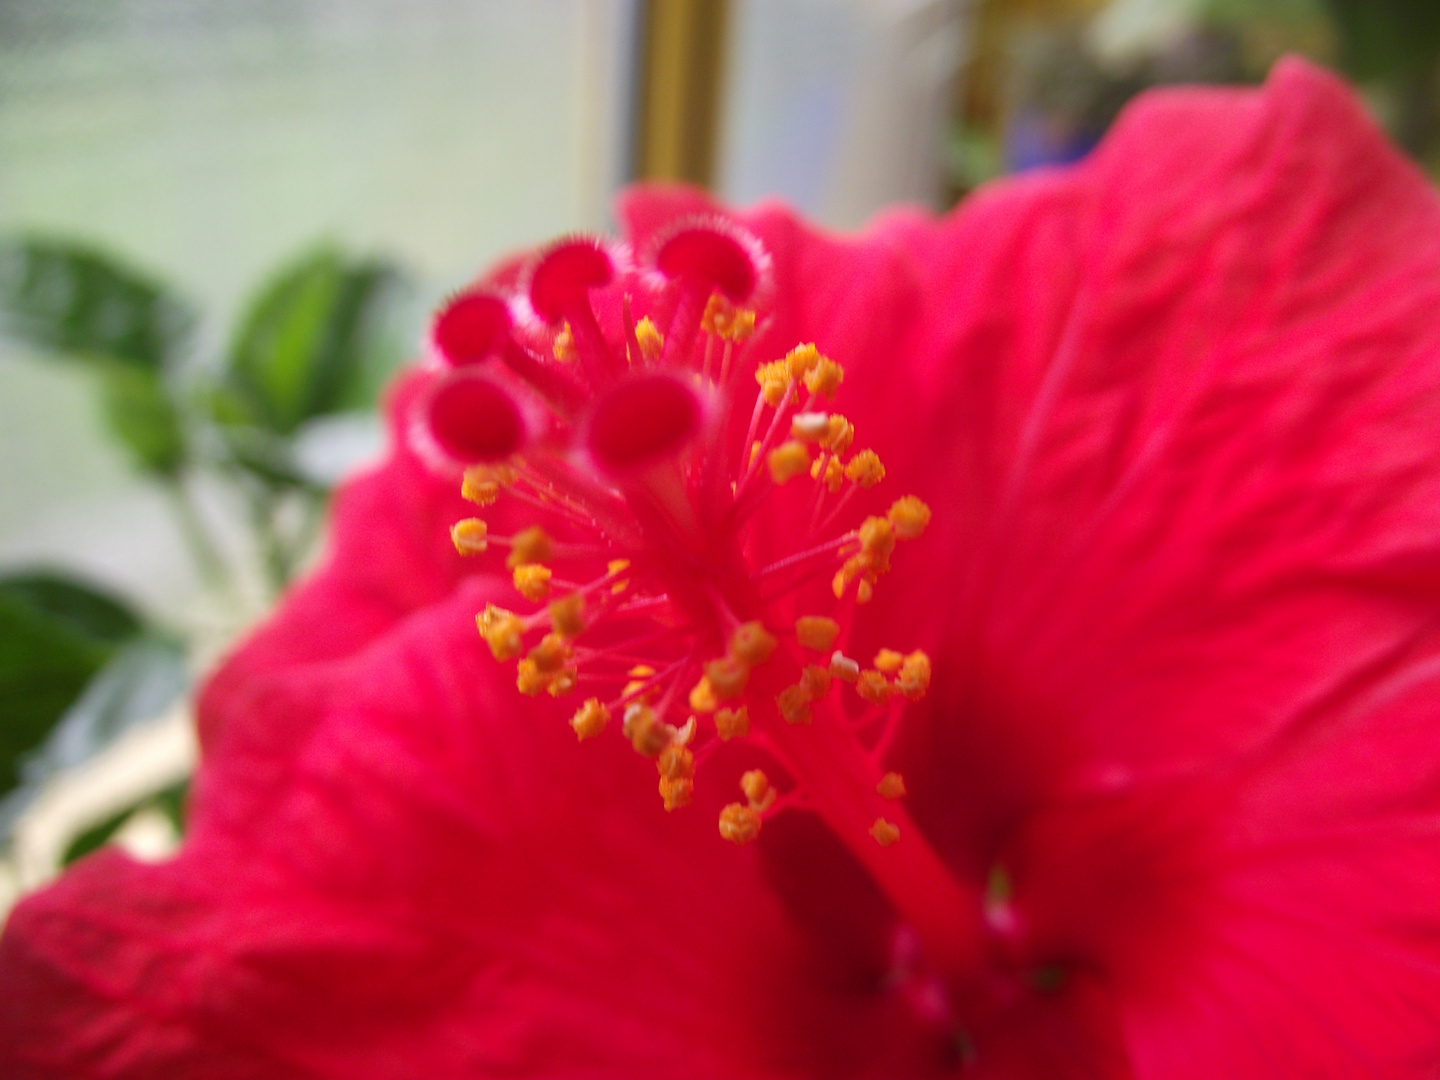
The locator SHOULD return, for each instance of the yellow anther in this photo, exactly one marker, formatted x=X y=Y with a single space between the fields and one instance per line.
x=865 y=469
x=484 y=492
x=756 y=786
x=529 y=546
x=726 y=321
x=547 y=667
x=728 y=677
x=884 y=833
x=788 y=460
x=833 y=472
x=891 y=786
x=909 y=516
x=816 y=631
x=470 y=536
x=839 y=434
x=774 y=380
x=649 y=338
x=639 y=675
x=702 y=697
x=529 y=679
x=502 y=630
x=647 y=733
x=914 y=677
x=567 y=615
x=732 y=723
x=590 y=719
x=482 y=483
x=843 y=668
x=877 y=541
x=815 y=681
x=675 y=762
x=739 y=824
x=533 y=581
x=552 y=654
x=741 y=327
x=617 y=566
x=876 y=537
x=564 y=347
x=794 y=704
x=563 y=682
x=802 y=360
x=888 y=661
x=752 y=643
x=873 y=687
x=677 y=792
x=810 y=426
x=825 y=378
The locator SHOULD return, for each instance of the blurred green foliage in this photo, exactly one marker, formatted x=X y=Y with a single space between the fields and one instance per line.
x=318 y=338
x=69 y=299
x=55 y=636
x=1382 y=38
x=312 y=343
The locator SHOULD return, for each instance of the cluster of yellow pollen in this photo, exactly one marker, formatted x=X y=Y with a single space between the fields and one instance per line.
x=893 y=674
x=802 y=438
x=503 y=631
x=884 y=833
x=821 y=375
x=725 y=678
x=725 y=320
x=550 y=667
x=590 y=719
x=875 y=542
x=740 y=822
x=482 y=484
x=794 y=701
x=564 y=347
x=469 y=536
x=650 y=340
x=676 y=765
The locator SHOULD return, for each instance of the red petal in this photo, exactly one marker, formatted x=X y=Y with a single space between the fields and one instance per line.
x=423 y=886
x=1195 y=385
x=1176 y=410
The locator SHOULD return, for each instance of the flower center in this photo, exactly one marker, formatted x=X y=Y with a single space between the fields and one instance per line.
x=655 y=587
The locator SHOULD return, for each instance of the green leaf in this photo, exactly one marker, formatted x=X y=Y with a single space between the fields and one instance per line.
x=81 y=609
x=55 y=634
x=141 y=414
x=317 y=339
x=69 y=299
x=1380 y=38
x=143 y=678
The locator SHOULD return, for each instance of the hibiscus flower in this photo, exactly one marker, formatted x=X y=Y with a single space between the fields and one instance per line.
x=1127 y=765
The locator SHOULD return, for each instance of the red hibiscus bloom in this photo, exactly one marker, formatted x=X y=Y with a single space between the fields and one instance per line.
x=1173 y=798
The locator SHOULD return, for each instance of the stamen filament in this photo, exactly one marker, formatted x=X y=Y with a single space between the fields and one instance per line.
x=837 y=509
x=829 y=547
x=840 y=780
x=772 y=436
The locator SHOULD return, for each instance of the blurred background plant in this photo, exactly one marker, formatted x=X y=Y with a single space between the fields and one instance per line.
x=170 y=435
x=1048 y=76
x=269 y=426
